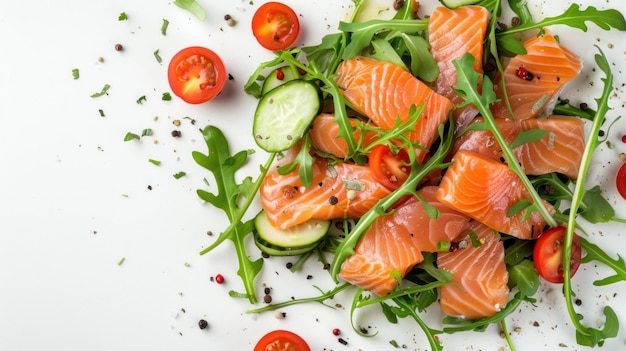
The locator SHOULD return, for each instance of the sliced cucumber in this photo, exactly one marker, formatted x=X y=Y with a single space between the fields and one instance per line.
x=272 y=80
x=284 y=114
x=452 y=4
x=293 y=241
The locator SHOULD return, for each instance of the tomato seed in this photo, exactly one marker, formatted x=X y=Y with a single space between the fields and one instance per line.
x=219 y=279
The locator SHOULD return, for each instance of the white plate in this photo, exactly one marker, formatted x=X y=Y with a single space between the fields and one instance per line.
x=76 y=198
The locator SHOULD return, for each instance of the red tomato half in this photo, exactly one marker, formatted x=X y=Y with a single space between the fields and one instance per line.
x=275 y=26
x=281 y=340
x=389 y=169
x=620 y=180
x=548 y=254
x=196 y=74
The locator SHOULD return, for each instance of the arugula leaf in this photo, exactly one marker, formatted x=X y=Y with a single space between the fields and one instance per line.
x=586 y=335
x=325 y=295
x=233 y=198
x=364 y=32
x=524 y=276
x=594 y=253
x=576 y=18
x=304 y=160
x=193 y=7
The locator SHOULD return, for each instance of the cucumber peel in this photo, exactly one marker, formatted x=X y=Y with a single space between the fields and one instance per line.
x=295 y=240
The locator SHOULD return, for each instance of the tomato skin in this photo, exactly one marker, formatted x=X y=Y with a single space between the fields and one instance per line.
x=548 y=254
x=275 y=26
x=281 y=340
x=196 y=74
x=620 y=180
x=388 y=168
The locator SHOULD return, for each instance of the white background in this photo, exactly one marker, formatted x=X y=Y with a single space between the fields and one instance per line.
x=76 y=200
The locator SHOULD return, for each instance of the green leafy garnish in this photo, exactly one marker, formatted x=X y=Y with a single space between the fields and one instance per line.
x=75 y=73
x=122 y=17
x=104 y=90
x=193 y=7
x=233 y=199
x=157 y=56
x=164 y=26
x=131 y=136
x=154 y=162
x=179 y=175
x=166 y=96
x=141 y=99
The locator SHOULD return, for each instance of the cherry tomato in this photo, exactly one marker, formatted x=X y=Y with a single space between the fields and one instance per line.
x=275 y=26
x=388 y=168
x=548 y=254
x=281 y=340
x=196 y=74
x=620 y=180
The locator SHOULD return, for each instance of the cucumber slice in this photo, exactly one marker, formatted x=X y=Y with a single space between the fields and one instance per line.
x=302 y=235
x=274 y=250
x=284 y=114
x=272 y=81
x=452 y=4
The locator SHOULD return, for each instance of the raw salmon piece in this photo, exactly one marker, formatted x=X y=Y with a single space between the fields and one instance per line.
x=324 y=134
x=550 y=66
x=485 y=189
x=479 y=287
x=394 y=243
x=452 y=34
x=384 y=92
x=561 y=150
x=341 y=190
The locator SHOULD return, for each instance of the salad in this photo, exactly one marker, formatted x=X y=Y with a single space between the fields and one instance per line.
x=389 y=162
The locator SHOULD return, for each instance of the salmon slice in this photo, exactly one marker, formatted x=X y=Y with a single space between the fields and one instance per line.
x=452 y=34
x=341 y=190
x=324 y=134
x=550 y=66
x=394 y=243
x=384 y=92
x=561 y=150
x=479 y=276
x=485 y=189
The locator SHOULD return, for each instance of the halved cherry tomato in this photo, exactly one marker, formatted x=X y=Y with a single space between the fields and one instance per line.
x=548 y=254
x=620 y=180
x=281 y=340
x=275 y=26
x=389 y=169
x=196 y=74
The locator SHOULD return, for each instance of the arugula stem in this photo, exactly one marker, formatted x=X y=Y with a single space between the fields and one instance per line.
x=507 y=337
x=431 y=334
x=319 y=299
x=579 y=190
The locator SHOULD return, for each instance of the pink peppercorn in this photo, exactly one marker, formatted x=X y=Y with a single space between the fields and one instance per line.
x=336 y=331
x=219 y=279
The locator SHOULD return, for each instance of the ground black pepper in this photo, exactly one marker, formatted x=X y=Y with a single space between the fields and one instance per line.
x=203 y=324
x=333 y=200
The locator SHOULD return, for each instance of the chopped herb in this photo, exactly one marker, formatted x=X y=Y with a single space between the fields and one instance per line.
x=154 y=162
x=75 y=73
x=166 y=97
x=101 y=112
x=476 y=242
x=146 y=132
x=444 y=246
x=179 y=175
x=193 y=7
x=131 y=136
x=187 y=264
x=157 y=56
x=102 y=92
x=141 y=99
x=122 y=17
x=164 y=26
x=121 y=260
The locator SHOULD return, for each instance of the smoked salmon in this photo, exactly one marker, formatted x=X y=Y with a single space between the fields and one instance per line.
x=394 y=243
x=533 y=80
x=485 y=189
x=324 y=134
x=384 y=92
x=479 y=276
x=452 y=33
x=561 y=150
x=340 y=190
